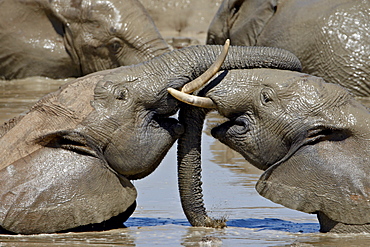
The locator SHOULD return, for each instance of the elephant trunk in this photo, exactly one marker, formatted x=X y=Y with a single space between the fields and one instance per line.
x=189 y=169
x=186 y=64
x=143 y=36
x=189 y=145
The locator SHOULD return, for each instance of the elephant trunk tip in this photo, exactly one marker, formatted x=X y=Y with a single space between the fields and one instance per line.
x=211 y=222
x=216 y=223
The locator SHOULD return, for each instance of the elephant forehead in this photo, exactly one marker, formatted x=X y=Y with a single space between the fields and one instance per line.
x=251 y=81
x=239 y=89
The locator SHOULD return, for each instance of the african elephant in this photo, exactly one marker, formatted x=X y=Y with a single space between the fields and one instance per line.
x=72 y=38
x=331 y=38
x=310 y=137
x=182 y=23
x=68 y=162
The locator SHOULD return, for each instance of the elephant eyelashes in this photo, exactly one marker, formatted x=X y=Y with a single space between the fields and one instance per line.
x=236 y=6
x=266 y=96
x=120 y=93
x=115 y=46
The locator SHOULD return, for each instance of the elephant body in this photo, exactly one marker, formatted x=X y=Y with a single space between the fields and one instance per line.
x=182 y=23
x=310 y=137
x=331 y=38
x=69 y=38
x=68 y=162
x=51 y=183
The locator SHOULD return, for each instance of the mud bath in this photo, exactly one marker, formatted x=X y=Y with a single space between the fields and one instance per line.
x=159 y=221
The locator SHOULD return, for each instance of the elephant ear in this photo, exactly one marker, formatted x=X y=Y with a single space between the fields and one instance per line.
x=59 y=187
x=323 y=178
x=250 y=22
x=70 y=140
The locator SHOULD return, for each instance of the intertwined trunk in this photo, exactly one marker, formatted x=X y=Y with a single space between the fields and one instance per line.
x=189 y=168
x=189 y=146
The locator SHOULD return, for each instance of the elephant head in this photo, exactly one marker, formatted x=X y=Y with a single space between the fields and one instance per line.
x=107 y=34
x=241 y=21
x=189 y=171
x=72 y=38
x=331 y=38
x=310 y=137
x=78 y=147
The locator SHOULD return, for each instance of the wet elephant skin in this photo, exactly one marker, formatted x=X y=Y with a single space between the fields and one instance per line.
x=69 y=38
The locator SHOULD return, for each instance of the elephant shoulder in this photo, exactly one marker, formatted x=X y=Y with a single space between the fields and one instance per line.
x=58 y=189
x=313 y=182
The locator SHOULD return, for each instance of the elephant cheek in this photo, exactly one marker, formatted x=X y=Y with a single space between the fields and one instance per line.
x=244 y=144
x=139 y=154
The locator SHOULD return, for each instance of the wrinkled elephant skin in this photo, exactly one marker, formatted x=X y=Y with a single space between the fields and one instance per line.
x=310 y=137
x=69 y=38
x=331 y=38
x=68 y=162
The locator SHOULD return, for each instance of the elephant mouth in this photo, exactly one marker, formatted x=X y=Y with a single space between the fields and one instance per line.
x=169 y=123
x=236 y=128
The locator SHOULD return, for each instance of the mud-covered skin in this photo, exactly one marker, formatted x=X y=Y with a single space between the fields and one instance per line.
x=310 y=137
x=70 y=38
x=182 y=22
x=189 y=149
x=68 y=162
x=331 y=38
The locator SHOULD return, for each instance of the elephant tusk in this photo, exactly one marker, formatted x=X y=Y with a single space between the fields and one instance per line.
x=190 y=87
x=191 y=99
x=211 y=71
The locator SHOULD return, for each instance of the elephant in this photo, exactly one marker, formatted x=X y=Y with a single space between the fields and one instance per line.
x=68 y=162
x=310 y=137
x=182 y=23
x=72 y=38
x=331 y=38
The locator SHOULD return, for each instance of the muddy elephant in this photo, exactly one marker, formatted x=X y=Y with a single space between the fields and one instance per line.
x=310 y=137
x=72 y=38
x=182 y=23
x=331 y=38
x=68 y=162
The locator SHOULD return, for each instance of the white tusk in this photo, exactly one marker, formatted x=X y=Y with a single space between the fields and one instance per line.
x=211 y=71
x=191 y=99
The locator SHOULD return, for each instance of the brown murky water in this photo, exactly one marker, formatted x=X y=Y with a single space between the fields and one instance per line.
x=159 y=221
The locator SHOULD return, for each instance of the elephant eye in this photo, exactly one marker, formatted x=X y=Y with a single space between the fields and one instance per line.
x=235 y=6
x=266 y=95
x=115 y=46
x=120 y=93
x=234 y=10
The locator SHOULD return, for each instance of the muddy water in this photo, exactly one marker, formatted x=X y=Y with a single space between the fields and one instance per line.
x=158 y=220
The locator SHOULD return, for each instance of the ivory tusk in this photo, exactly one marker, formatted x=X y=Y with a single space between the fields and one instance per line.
x=211 y=71
x=191 y=99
